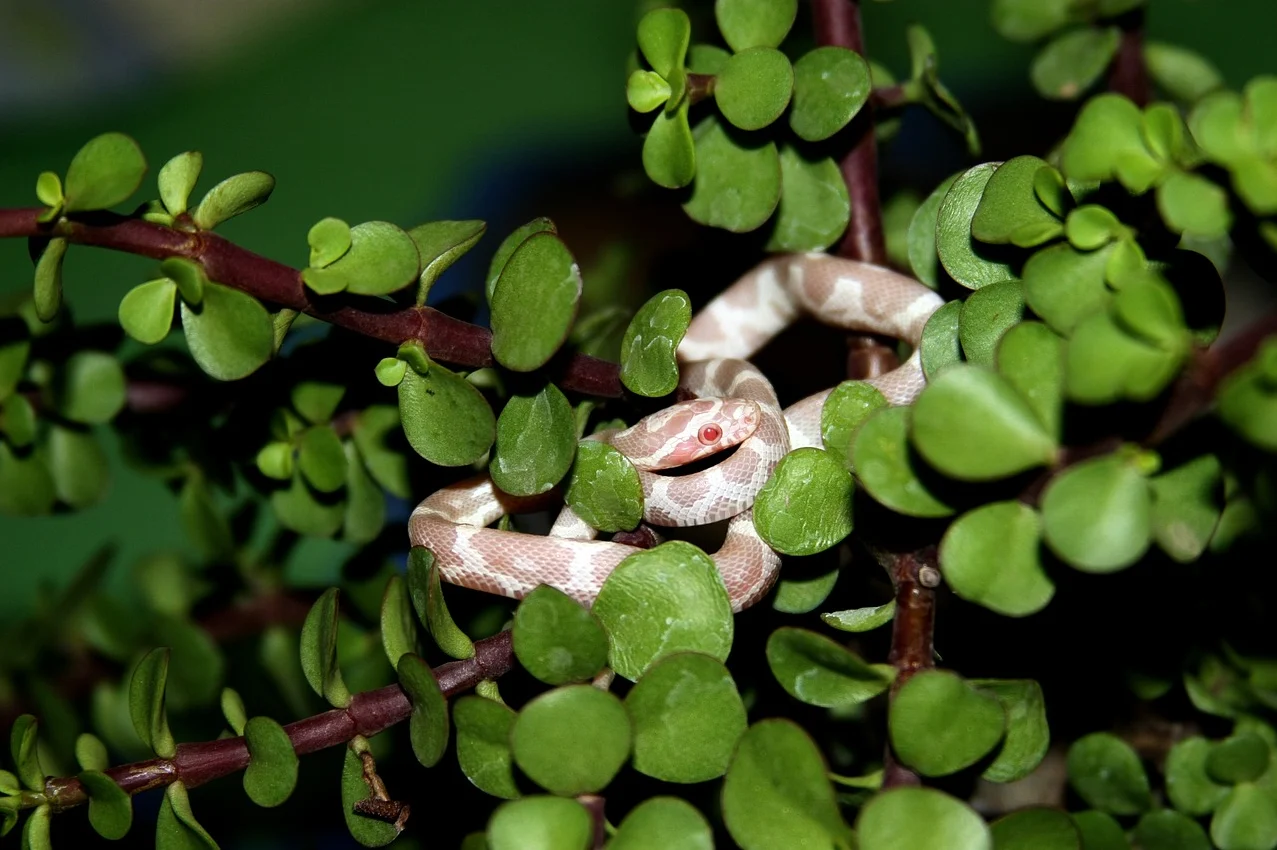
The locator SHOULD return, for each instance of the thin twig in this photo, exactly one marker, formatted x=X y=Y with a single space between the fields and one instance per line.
x=1128 y=75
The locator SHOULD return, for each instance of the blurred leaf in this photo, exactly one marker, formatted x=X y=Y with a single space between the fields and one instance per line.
x=922 y=234
x=78 y=465
x=23 y=738
x=1241 y=758
x=1246 y=818
x=321 y=459
x=1107 y=774
x=1187 y=504
x=1071 y=63
x=1182 y=73
x=918 y=818
x=1191 y=203
x=26 y=485
x=990 y=556
x=1171 y=830
x=1029 y=20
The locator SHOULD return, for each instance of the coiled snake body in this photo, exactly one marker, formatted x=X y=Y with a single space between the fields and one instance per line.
x=735 y=406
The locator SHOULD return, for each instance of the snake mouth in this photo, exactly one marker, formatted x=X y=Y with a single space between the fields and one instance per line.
x=697 y=465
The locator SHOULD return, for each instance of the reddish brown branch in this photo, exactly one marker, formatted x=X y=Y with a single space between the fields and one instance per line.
x=1128 y=75
x=446 y=339
x=368 y=713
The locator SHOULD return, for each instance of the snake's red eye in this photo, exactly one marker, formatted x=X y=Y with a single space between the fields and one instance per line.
x=710 y=434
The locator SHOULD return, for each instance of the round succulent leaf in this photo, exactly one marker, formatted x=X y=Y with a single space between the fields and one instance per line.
x=805 y=507
x=1255 y=181
x=831 y=84
x=382 y=259
x=1029 y=20
x=428 y=724
x=663 y=36
x=646 y=90
x=1164 y=132
x=1071 y=63
x=540 y=823
x=941 y=343
x=940 y=724
x=795 y=595
x=1246 y=819
x=814 y=206
x=669 y=150
x=321 y=459
x=1106 y=772
x=90 y=754
x=235 y=195
x=557 y=639
x=47 y=290
x=104 y=173
x=146 y=703
x=1036 y=829
x=1063 y=285
x=1100 y=831
x=483 y=744
x=110 y=806
x=445 y=417
x=1092 y=226
x=48 y=188
x=319 y=650
x=972 y=424
x=1010 y=203
x=534 y=303
x=922 y=234
x=1190 y=788
x=663 y=823
x=986 y=315
x=1109 y=129
x=536 y=441
x=271 y=774
x=754 y=23
x=754 y=87
x=18 y=421
x=1031 y=357
x=1027 y=734
x=146 y=311
x=777 y=791
x=604 y=488
x=1106 y=361
x=1261 y=108
x=990 y=556
x=844 y=411
x=648 y=364
x=230 y=334
x=572 y=740
x=737 y=184
x=886 y=466
x=818 y=671
x=78 y=465
x=90 y=388
x=662 y=601
x=1187 y=504
x=390 y=371
x=1171 y=830
x=1190 y=203
x=966 y=261
x=516 y=238
x=26 y=485
x=177 y=179
x=1243 y=757
x=35 y=834
x=706 y=59
x=329 y=240
x=299 y=509
x=1097 y=514
x=920 y=819
x=687 y=716
x=1182 y=73
x=861 y=619
x=368 y=831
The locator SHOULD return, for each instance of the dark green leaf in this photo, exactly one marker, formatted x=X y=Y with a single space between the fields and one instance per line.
x=1027 y=736
x=805 y=507
x=236 y=194
x=940 y=724
x=104 y=173
x=557 y=639
x=1097 y=514
x=22 y=748
x=990 y=556
x=754 y=87
x=986 y=315
x=1029 y=20
x=1071 y=63
x=831 y=84
x=110 y=806
x=483 y=745
x=440 y=244
x=737 y=185
x=754 y=23
x=534 y=303
x=297 y=508
x=319 y=650
x=26 y=486
x=796 y=595
x=35 y=835
x=1169 y=830
x=321 y=459
x=922 y=235
x=428 y=723
x=1107 y=774
x=847 y=407
x=146 y=702
x=1190 y=788
x=1036 y=829
x=445 y=417
x=604 y=488
x=271 y=774
x=535 y=442
x=48 y=280
x=1100 y=832
x=941 y=339
x=540 y=823
x=427 y=598
x=388 y=467
x=816 y=670
x=648 y=364
x=203 y=520
x=572 y=740
x=920 y=819
x=398 y=627
x=966 y=261
x=663 y=823
x=18 y=421
x=1242 y=758
x=90 y=388
x=814 y=207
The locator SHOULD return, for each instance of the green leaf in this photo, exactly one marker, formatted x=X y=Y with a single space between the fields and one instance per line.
x=754 y=23
x=971 y=423
x=195 y=674
x=663 y=35
x=990 y=556
x=177 y=178
x=1242 y=758
x=1097 y=514
x=90 y=753
x=365 y=513
x=831 y=84
x=604 y=488
x=48 y=280
x=1029 y=20
x=536 y=441
x=986 y=315
x=1031 y=357
x=922 y=234
x=507 y=246
x=319 y=650
x=110 y=806
x=534 y=303
x=329 y=240
x=737 y=185
x=572 y=740
x=887 y=467
x=203 y=520
x=146 y=311
x=941 y=344
x=297 y=508
x=189 y=277
x=146 y=702
x=816 y=670
x=646 y=90
x=777 y=793
x=78 y=465
x=271 y=774
x=321 y=459
x=663 y=823
x=1036 y=829
x=445 y=417
x=1190 y=203
x=428 y=723
x=26 y=486
x=1190 y=788
x=1091 y=226
x=483 y=745
x=22 y=747
x=1064 y=286
x=35 y=835
x=754 y=87
x=966 y=261
x=1107 y=774
x=540 y=823
x=847 y=407
x=661 y=601
x=1246 y=819
x=15 y=347
x=90 y=388
x=861 y=619
x=918 y=819
x=1131 y=352
x=104 y=173
x=814 y=207
x=387 y=466
x=230 y=334
x=236 y=194
x=382 y=259
x=1182 y=73
x=557 y=639
x=316 y=401
x=940 y=724
x=427 y=598
x=1071 y=63
x=687 y=717
x=1187 y=506
x=440 y=244
x=232 y=705
x=669 y=151
x=648 y=364
x=1170 y=830
x=48 y=188
x=1107 y=141
x=1099 y=831
x=18 y=421
x=798 y=595
x=1027 y=736
x=805 y=507
x=368 y=831
x=398 y=627
x=1010 y=203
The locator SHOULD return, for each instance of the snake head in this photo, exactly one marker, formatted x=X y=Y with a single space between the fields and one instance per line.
x=688 y=431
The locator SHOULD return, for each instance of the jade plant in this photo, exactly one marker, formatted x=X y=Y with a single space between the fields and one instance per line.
x=1027 y=611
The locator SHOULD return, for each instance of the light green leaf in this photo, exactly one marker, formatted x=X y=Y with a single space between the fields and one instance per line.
x=919 y=819
x=663 y=823
x=540 y=823
x=831 y=84
x=990 y=556
x=1071 y=63
x=814 y=207
x=146 y=311
x=572 y=740
x=48 y=280
x=805 y=507
x=1097 y=514
x=236 y=194
x=940 y=724
x=534 y=303
x=230 y=334
x=177 y=179
x=861 y=619
x=104 y=173
x=754 y=87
